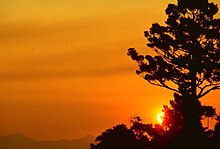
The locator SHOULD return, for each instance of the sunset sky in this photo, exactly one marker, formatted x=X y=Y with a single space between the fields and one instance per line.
x=64 y=69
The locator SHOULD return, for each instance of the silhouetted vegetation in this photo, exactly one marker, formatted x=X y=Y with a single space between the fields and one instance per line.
x=168 y=135
x=187 y=62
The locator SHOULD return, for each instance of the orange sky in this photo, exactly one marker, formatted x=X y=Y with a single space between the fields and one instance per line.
x=64 y=72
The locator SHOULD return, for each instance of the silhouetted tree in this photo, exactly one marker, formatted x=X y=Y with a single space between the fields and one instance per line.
x=137 y=136
x=146 y=132
x=188 y=56
x=207 y=112
x=140 y=130
x=173 y=115
x=216 y=132
x=169 y=135
x=173 y=123
x=119 y=137
x=187 y=62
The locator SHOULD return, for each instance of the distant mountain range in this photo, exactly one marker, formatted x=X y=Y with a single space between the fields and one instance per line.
x=19 y=141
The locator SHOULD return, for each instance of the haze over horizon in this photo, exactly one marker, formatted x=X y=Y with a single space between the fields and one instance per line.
x=64 y=69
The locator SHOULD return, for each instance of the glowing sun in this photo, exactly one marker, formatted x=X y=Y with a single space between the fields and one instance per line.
x=160 y=117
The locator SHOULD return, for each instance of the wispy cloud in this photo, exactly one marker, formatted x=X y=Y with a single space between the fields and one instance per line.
x=72 y=66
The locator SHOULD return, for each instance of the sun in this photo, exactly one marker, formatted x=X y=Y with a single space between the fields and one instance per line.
x=160 y=117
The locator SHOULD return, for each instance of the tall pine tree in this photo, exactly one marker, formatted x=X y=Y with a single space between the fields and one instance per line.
x=188 y=56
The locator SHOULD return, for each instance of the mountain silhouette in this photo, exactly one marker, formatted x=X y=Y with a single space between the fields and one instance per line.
x=19 y=141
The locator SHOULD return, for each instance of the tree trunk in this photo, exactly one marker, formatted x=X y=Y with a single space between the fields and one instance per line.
x=192 y=123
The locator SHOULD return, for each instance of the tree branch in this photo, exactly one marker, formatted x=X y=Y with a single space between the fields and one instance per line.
x=200 y=80
x=207 y=91
x=206 y=86
x=163 y=85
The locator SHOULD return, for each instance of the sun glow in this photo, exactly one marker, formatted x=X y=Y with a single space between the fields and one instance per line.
x=160 y=117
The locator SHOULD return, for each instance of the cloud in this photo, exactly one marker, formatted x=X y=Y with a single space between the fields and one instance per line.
x=72 y=65
x=28 y=75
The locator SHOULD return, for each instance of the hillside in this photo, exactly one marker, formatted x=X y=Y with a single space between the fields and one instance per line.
x=19 y=141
